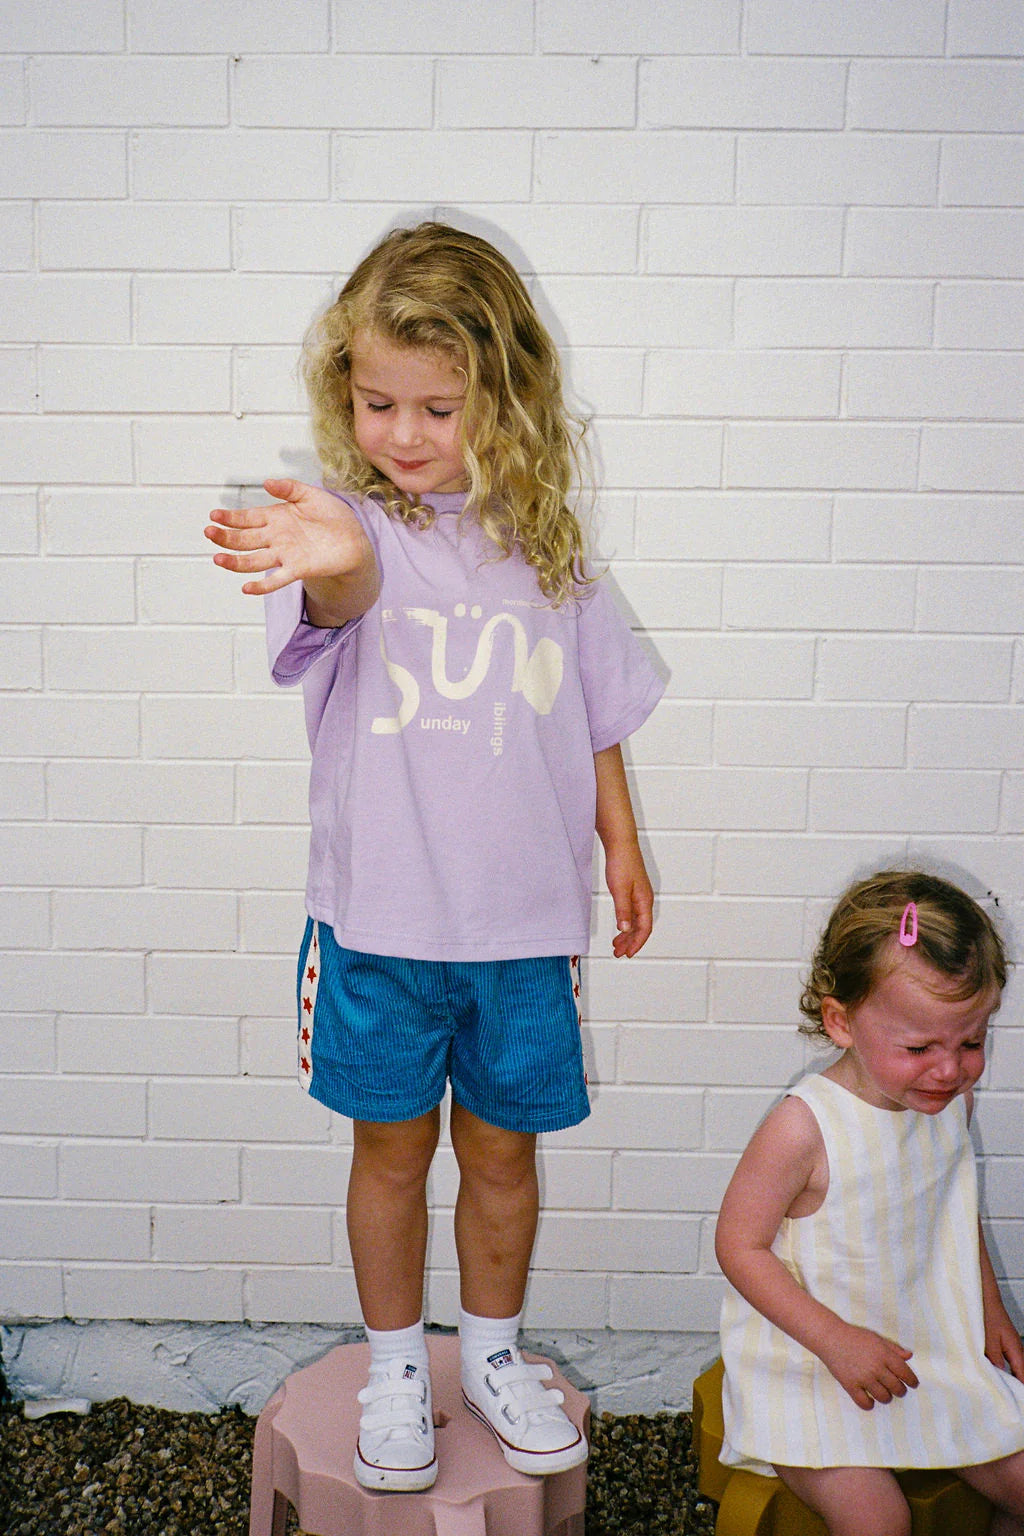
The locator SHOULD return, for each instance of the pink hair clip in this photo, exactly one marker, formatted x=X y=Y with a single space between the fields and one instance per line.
x=908 y=925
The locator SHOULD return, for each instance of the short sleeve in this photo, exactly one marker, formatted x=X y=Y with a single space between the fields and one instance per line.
x=620 y=683
x=293 y=644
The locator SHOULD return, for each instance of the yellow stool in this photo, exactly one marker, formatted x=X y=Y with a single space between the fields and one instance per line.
x=751 y=1505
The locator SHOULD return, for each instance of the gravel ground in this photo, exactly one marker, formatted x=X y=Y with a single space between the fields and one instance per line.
x=122 y=1470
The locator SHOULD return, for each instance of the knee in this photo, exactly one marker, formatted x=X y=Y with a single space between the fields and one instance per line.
x=502 y=1160
x=398 y=1156
x=1002 y=1483
x=500 y=1174
x=852 y=1501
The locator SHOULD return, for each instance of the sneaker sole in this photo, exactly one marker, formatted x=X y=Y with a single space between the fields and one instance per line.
x=534 y=1463
x=393 y=1479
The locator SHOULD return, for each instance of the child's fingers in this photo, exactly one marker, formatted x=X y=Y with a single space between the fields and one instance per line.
x=277 y=579
x=287 y=490
x=1007 y=1354
x=630 y=940
x=1015 y=1358
x=623 y=923
x=894 y=1377
x=893 y=1385
x=634 y=931
x=245 y=564
x=239 y=517
x=879 y=1391
x=236 y=538
x=635 y=919
x=898 y=1363
x=644 y=920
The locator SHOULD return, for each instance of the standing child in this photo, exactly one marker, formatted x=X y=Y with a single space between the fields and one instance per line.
x=865 y=1330
x=467 y=685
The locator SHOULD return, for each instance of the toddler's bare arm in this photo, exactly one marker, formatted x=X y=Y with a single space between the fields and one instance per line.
x=780 y=1175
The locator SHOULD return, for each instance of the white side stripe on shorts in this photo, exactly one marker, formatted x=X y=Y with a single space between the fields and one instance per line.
x=307 y=1008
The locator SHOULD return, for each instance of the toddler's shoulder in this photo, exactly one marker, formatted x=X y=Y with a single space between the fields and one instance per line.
x=789 y=1131
x=794 y=1115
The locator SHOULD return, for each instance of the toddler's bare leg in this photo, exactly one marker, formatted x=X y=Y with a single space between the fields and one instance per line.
x=852 y=1501
x=386 y=1216
x=1002 y=1482
x=495 y=1214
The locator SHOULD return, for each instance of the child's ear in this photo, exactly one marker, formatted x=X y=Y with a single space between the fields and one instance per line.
x=836 y=1022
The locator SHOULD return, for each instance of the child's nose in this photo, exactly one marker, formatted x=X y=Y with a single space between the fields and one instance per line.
x=947 y=1068
x=406 y=427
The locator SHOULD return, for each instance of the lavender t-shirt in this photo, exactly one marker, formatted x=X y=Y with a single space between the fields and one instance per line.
x=453 y=729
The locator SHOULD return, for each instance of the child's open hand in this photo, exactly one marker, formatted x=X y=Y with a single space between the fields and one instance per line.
x=872 y=1369
x=306 y=535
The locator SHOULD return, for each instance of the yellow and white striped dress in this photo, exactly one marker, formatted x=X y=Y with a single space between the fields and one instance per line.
x=893 y=1247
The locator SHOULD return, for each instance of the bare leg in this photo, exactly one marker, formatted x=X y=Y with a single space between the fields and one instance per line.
x=386 y=1216
x=495 y=1213
x=1002 y=1483
x=852 y=1501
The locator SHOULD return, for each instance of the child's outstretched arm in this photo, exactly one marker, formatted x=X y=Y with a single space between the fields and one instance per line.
x=783 y=1173
x=307 y=535
x=624 y=868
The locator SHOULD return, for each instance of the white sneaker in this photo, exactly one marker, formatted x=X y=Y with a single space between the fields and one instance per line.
x=395 y=1449
x=524 y=1417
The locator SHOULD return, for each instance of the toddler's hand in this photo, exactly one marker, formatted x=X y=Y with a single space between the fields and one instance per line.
x=1003 y=1344
x=307 y=535
x=872 y=1369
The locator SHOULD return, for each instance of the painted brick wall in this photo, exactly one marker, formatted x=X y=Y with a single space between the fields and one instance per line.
x=782 y=242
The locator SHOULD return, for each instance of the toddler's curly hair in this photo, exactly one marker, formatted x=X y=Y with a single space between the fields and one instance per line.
x=858 y=947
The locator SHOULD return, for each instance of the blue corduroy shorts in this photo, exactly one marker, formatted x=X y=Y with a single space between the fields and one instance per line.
x=380 y=1037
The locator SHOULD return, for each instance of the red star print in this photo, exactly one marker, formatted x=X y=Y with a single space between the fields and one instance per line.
x=311 y=975
x=307 y=1005
x=304 y=1064
x=304 y=1037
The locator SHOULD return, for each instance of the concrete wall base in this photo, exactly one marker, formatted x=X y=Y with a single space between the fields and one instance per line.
x=202 y=1367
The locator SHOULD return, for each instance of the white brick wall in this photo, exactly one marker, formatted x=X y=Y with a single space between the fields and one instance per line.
x=781 y=244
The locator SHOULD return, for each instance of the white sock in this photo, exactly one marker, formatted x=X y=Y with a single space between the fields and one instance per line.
x=391 y=1343
x=481 y=1336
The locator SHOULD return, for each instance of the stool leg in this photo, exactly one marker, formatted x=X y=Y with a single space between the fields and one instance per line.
x=268 y=1510
x=747 y=1504
x=279 y=1518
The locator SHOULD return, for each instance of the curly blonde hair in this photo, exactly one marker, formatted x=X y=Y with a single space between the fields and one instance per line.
x=856 y=949
x=440 y=288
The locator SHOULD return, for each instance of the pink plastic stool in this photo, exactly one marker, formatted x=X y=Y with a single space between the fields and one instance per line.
x=306 y=1438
